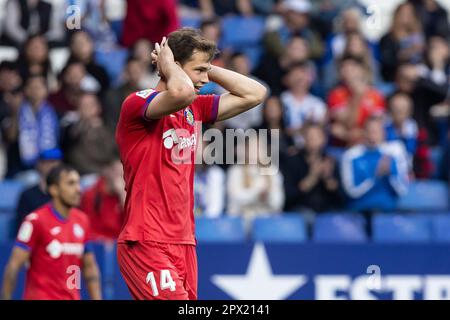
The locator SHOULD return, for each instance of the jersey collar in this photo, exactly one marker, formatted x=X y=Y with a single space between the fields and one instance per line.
x=56 y=214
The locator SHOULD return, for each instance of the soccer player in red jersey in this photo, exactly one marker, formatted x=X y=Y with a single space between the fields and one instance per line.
x=156 y=246
x=54 y=241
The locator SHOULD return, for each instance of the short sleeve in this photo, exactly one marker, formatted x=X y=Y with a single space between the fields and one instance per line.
x=136 y=104
x=88 y=235
x=206 y=107
x=28 y=234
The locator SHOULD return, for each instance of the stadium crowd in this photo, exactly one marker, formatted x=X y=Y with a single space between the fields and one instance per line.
x=359 y=118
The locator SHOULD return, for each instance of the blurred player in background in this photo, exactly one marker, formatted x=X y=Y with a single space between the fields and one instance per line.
x=156 y=247
x=53 y=240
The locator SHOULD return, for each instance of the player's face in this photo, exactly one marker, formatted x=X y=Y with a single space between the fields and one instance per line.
x=69 y=190
x=197 y=69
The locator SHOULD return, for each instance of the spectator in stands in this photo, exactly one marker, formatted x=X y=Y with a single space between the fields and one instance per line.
x=357 y=46
x=437 y=67
x=36 y=196
x=240 y=63
x=433 y=16
x=251 y=193
x=445 y=164
x=23 y=18
x=9 y=80
x=299 y=105
x=82 y=50
x=87 y=143
x=209 y=184
x=404 y=42
x=160 y=15
x=273 y=70
x=141 y=51
x=273 y=120
x=311 y=176
x=208 y=9
x=38 y=122
x=103 y=202
x=375 y=174
x=212 y=30
x=296 y=20
x=425 y=93
x=347 y=23
x=400 y=125
x=10 y=130
x=71 y=79
x=352 y=102
x=133 y=74
x=34 y=59
x=94 y=20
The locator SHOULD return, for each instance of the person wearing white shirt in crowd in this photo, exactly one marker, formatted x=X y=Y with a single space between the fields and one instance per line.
x=209 y=186
x=251 y=192
x=299 y=105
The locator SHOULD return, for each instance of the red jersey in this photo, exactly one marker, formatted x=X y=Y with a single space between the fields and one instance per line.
x=160 y=200
x=371 y=103
x=104 y=211
x=56 y=244
x=149 y=19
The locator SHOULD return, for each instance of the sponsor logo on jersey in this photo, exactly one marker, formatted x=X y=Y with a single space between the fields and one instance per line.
x=55 y=249
x=171 y=138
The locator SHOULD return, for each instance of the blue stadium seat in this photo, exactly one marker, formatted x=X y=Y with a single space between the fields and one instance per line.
x=244 y=34
x=286 y=228
x=425 y=196
x=9 y=194
x=344 y=227
x=224 y=229
x=113 y=61
x=398 y=228
x=192 y=22
x=242 y=31
x=440 y=227
x=6 y=225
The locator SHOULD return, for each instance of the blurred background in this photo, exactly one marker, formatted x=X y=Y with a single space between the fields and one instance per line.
x=360 y=92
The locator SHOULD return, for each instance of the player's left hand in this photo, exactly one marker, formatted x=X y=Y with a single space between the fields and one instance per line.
x=154 y=56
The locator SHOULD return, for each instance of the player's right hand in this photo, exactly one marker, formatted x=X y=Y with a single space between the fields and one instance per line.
x=164 y=55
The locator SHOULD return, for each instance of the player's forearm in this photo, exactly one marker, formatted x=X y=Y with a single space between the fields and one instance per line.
x=238 y=85
x=9 y=282
x=179 y=85
x=92 y=278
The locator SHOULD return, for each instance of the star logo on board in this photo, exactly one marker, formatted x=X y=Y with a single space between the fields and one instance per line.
x=259 y=282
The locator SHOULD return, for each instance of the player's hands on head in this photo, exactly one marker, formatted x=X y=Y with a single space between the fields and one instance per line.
x=162 y=55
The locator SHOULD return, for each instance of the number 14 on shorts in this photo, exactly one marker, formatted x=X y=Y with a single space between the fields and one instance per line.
x=166 y=282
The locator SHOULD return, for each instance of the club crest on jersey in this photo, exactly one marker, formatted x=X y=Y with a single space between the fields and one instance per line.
x=78 y=231
x=189 y=115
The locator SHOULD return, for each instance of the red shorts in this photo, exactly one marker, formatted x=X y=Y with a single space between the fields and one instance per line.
x=159 y=271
